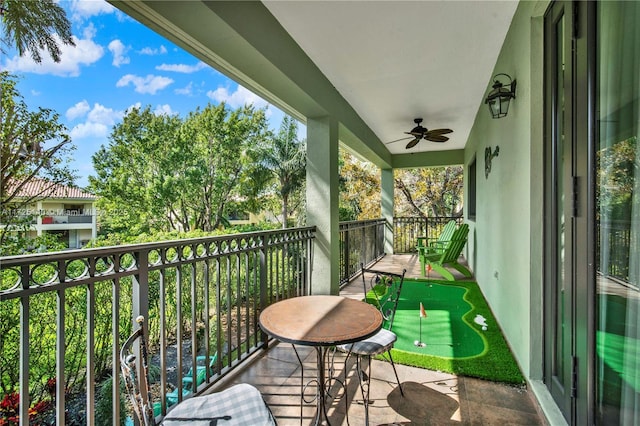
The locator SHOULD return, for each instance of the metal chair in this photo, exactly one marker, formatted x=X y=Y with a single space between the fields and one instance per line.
x=241 y=404
x=384 y=293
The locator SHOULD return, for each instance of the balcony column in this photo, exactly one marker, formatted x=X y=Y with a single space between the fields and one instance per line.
x=39 y=218
x=94 y=218
x=386 y=198
x=322 y=202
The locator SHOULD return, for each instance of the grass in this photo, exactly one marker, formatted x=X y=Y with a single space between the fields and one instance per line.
x=458 y=346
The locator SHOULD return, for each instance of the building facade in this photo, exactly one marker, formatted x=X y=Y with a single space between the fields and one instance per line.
x=67 y=212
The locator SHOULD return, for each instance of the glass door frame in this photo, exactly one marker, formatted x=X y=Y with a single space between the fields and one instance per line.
x=574 y=392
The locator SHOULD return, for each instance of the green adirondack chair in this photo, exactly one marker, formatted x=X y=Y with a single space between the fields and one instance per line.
x=449 y=256
x=437 y=244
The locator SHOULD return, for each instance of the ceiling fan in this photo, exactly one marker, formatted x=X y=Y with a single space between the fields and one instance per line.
x=419 y=132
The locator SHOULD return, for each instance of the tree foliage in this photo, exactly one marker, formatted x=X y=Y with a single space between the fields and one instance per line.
x=429 y=192
x=222 y=141
x=359 y=189
x=425 y=192
x=35 y=25
x=284 y=158
x=618 y=168
x=162 y=173
x=135 y=175
x=34 y=145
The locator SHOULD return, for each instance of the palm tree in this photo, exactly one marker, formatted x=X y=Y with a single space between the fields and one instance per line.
x=34 y=25
x=285 y=158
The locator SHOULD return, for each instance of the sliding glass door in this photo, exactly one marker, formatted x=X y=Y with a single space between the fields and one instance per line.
x=592 y=211
x=617 y=159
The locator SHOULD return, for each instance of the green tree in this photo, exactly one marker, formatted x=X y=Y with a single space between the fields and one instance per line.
x=359 y=189
x=284 y=157
x=162 y=173
x=34 y=145
x=222 y=141
x=617 y=171
x=35 y=25
x=135 y=173
x=429 y=192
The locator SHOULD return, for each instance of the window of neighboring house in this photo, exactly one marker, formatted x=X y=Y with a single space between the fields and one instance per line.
x=471 y=203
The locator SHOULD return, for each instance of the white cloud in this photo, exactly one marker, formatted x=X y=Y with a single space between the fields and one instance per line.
x=183 y=68
x=88 y=130
x=83 y=9
x=99 y=121
x=85 y=52
x=89 y=31
x=149 y=84
x=78 y=110
x=187 y=90
x=102 y=114
x=119 y=52
x=164 y=110
x=238 y=98
x=35 y=93
x=152 y=52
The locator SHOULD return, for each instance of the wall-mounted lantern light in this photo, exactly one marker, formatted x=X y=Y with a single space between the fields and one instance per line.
x=498 y=99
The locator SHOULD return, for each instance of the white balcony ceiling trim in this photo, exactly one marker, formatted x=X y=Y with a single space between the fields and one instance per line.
x=374 y=65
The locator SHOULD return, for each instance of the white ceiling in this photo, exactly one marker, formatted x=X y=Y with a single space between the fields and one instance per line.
x=394 y=61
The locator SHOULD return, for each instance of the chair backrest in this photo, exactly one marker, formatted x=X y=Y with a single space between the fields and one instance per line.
x=447 y=231
x=135 y=372
x=456 y=244
x=383 y=291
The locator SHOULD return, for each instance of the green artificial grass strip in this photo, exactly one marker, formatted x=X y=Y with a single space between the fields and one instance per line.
x=617 y=349
x=455 y=343
x=443 y=331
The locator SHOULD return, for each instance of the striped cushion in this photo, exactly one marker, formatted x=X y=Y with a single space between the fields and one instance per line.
x=380 y=342
x=239 y=405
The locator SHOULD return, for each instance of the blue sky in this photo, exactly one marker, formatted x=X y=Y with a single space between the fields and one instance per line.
x=116 y=64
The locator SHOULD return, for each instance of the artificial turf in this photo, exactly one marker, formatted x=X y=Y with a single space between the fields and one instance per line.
x=454 y=342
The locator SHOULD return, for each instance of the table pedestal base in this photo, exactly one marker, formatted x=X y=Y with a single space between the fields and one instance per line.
x=323 y=386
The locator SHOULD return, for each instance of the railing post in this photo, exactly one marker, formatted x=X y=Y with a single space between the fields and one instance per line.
x=263 y=284
x=24 y=349
x=346 y=249
x=140 y=303
x=141 y=287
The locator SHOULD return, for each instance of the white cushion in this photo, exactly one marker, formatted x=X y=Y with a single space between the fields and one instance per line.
x=379 y=343
x=239 y=405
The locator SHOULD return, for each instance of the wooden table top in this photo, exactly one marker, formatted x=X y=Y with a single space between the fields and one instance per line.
x=320 y=320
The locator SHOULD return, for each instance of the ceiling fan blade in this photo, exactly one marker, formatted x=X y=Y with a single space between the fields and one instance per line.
x=439 y=131
x=397 y=140
x=436 y=138
x=414 y=134
x=413 y=143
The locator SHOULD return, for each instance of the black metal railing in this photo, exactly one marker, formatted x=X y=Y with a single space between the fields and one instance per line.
x=64 y=315
x=614 y=244
x=406 y=231
x=361 y=241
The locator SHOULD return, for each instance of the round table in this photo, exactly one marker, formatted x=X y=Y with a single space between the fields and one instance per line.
x=321 y=322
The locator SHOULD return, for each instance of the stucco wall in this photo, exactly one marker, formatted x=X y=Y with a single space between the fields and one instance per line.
x=503 y=244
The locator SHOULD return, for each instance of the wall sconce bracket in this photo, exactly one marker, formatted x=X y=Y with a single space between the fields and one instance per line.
x=488 y=158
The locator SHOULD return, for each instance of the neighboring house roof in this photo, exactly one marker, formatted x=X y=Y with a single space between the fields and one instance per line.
x=42 y=188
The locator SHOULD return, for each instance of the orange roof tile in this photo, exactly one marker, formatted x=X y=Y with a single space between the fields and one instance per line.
x=42 y=188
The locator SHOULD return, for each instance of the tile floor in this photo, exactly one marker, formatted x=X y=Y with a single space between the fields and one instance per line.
x=430 y=397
